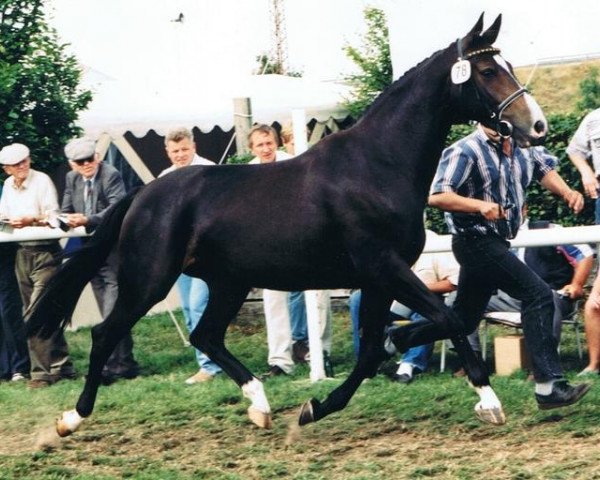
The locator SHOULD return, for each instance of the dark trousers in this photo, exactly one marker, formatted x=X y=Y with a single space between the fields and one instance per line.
x=486 y=264
x=104 y=285
x=14 y=355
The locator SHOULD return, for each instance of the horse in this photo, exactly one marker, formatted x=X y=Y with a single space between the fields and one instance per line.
x=347 y=213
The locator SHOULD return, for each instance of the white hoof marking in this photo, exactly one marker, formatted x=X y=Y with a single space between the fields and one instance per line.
x=68 y=423
x=489 y=409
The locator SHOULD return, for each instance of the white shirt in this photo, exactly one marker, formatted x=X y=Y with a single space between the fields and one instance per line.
x=279 y=156
x=586 y=141
x=197 y=160
x=34 y=198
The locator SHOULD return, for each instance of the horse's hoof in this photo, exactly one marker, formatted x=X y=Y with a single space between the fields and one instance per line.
x=307 y=412
x=493 y=415
x=260 y=419
x=68 y=423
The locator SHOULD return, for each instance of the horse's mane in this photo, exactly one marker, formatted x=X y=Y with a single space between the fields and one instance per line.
x=402 y=82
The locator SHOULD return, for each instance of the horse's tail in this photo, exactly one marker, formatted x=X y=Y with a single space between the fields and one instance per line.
x=53 y=309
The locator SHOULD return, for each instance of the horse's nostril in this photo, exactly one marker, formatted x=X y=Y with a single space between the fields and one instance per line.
x=539 y=126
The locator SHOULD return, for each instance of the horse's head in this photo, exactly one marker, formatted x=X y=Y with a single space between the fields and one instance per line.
x=489 y=92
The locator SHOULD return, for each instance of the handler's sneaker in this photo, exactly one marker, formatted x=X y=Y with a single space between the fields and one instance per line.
x=563 y=394
x=201 y=376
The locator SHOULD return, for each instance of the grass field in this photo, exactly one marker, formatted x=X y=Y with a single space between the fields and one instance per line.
x=156 y=427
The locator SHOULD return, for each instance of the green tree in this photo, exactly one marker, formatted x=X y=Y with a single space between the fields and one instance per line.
x=374 y=62
x=40 y=95
x=589 y=88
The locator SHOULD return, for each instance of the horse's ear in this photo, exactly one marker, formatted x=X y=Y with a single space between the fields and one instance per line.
x=489 y=36
x=473 y=34
x=476 y=30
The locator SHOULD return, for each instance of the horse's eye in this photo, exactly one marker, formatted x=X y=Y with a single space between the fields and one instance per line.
x=488 y=72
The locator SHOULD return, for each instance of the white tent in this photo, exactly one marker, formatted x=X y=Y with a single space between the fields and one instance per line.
x=120 y=107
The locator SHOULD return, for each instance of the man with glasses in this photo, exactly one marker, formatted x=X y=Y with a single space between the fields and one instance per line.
x=28 y=197
x=90 y=189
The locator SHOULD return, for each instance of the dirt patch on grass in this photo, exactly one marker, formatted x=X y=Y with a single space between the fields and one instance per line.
x=323 y=450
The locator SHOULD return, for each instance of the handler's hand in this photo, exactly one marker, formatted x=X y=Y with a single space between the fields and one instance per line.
x=574 y=199
x=491 y=211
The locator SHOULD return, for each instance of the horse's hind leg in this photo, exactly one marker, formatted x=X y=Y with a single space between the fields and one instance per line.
x=374 y=312
x=105 y=337
x=225 y=300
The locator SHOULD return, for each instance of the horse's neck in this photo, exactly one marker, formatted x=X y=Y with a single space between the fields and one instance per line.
x=416 y=109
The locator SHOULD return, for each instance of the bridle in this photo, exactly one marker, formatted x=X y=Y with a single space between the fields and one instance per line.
x=503 y=127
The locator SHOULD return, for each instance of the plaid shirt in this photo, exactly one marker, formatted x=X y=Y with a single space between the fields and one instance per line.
x=470 y=168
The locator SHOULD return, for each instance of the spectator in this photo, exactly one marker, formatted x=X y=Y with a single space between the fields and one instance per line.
x=27 y=199
x=439 y=272
x=263 y=142
x=480 y=183
x=14 y=356
x=91 y=187
x=592 y=330
x=585 y=146
x=181 y=150
x=296 y=301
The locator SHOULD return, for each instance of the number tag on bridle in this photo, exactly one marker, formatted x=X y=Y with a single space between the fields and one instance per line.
x=461 y=72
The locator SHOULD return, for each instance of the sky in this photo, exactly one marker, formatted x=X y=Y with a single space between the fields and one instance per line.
x=220 y=39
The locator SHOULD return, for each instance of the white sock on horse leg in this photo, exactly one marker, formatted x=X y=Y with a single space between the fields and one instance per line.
x=255 y=392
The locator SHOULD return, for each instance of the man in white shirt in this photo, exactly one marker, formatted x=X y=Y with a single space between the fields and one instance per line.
x=181 y=150
x=264 y=142
x=27 y=198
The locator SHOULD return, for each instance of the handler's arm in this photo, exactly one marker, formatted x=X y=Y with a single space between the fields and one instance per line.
x=452 y=202
x=554 y=182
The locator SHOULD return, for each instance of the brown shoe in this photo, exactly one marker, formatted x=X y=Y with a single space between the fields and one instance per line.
x=38 y=383
x=200 y=377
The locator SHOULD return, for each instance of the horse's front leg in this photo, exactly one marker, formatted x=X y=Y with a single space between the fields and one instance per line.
x=224 y=301
x=374 y=313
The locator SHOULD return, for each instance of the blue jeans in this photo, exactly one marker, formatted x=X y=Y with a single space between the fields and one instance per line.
x=14 y=354
x=354 y=305
x=417 y=356
x=597 y=211
x=194 y=297
x=297 y=308
x=486 y=264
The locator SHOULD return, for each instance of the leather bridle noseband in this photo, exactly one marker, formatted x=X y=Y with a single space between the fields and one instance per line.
x=503 y=127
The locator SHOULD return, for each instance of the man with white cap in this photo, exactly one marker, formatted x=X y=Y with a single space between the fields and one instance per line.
x=90 y=189
x=27 y=199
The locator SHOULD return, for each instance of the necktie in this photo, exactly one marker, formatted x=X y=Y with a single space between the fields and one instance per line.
x=88 y=198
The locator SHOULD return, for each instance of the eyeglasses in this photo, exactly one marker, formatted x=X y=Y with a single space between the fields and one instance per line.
x=84 y=160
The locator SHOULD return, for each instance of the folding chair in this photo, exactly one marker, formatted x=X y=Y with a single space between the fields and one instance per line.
x=513 y=320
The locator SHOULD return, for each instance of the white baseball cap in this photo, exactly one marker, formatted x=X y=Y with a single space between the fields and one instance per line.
x=13 y=154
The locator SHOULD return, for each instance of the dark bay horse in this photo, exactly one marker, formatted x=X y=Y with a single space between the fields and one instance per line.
x=348 y=213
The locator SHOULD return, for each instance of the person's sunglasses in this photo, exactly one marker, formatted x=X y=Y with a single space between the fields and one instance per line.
x=84 y=160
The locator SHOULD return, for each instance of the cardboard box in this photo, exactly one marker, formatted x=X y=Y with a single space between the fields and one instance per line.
x=510 y=354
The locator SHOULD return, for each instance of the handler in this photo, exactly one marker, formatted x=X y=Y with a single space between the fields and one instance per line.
x=480 y=183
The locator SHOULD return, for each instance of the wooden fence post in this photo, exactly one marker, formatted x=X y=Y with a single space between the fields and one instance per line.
x=242 y=121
